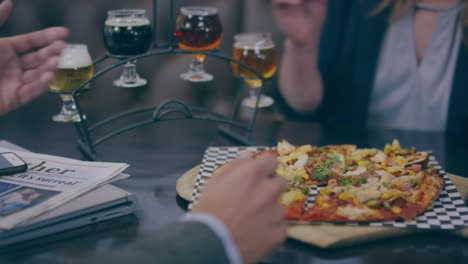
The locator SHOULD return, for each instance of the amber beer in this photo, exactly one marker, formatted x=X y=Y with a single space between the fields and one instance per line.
x=75 y=67
x=260 y=55
x=198 y=28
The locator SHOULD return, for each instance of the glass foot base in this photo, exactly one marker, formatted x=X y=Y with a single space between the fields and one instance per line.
x=265 y=101
x=196 y=76
x=66 y=118
x=138 y=83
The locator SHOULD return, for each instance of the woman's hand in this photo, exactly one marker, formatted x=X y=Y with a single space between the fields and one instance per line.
x=300 y=21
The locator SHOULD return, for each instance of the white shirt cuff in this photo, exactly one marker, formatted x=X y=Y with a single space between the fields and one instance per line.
x=220 y=230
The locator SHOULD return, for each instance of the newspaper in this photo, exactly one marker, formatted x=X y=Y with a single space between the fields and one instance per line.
x=49 y=182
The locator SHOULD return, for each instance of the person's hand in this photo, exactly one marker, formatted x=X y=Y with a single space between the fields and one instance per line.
x=244 y=195
x=300 y=20
x=27 y=62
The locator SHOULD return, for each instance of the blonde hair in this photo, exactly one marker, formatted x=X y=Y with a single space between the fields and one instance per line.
x=400 y=8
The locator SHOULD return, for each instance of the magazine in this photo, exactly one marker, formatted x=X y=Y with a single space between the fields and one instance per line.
x=49 y=182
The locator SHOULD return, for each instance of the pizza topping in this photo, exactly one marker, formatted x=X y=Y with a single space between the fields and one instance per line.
x=395 y=209
x=304 y=149
x=324 y=190
x=354 y=212
x=403 y=186
x=387 y=205
x=344 y=196
x=298 y=179
x=400 y=202
x=358 y=171
x=387 y=185
x=289 y=173
x=352 y=180
x=293 y=195
x=320 y=173
x=289 y=159
x=360 y=154
x=414 y=168
x=284 y=148
x=390 y=195
x=379 y=157
x=414 y=184
x=343 y=181
x=295 y=210
x=396 y=171
x=390 y=149
x=374 y=203
x=400 y=161
x=418 y=158
x=411 y=211
x=367 y=195
x=300 y=161
x=321 y=214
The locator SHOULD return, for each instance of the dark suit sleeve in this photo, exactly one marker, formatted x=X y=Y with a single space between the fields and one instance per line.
x=181 y=242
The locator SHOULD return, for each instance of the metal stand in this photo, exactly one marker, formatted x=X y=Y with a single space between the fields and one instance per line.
x=169 y=110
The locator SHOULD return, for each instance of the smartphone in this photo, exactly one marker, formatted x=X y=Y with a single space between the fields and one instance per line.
x=10 y=163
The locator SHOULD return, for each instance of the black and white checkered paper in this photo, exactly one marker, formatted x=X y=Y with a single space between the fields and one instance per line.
x=448 y=211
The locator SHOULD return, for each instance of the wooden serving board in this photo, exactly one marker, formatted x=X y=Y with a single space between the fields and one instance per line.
x=332 y=236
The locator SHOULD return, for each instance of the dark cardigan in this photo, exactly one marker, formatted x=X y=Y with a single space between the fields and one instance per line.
x=350 y=46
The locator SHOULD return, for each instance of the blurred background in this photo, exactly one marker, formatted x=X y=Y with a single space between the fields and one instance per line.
x=85 y=19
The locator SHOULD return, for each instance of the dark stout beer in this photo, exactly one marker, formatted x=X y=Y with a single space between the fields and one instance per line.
x=127 y=35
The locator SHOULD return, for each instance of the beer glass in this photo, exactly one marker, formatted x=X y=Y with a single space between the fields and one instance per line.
x=198 y=29
x=127 y=32
x=75 y=67
x=258 y=51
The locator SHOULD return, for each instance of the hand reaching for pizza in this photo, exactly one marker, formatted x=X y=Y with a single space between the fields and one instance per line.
x=27 y=62
x=300 y=20
x=244 y=195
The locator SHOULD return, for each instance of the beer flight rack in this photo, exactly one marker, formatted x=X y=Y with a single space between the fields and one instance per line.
x=168 y=110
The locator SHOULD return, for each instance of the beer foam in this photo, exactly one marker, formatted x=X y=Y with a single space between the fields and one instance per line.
x=74 y=56
x=126 y=22
x=198 y=10
x=262 y=45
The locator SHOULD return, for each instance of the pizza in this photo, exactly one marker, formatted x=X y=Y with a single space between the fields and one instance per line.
x=356 y=184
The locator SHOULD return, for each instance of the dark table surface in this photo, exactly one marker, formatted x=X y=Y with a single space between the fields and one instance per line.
x=161 y=153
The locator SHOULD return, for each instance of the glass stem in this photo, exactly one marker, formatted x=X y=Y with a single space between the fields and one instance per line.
x=129 y=74
x=255 y=86
x=254 y=92
x=68 y=107
x=197 y=63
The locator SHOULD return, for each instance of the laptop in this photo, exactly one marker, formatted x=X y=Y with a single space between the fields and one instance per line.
x=99 y=205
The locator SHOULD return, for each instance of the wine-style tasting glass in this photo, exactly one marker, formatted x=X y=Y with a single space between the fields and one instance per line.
x=127 y=32
x=198 y=29
x=258 y=51
x=74 y=68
